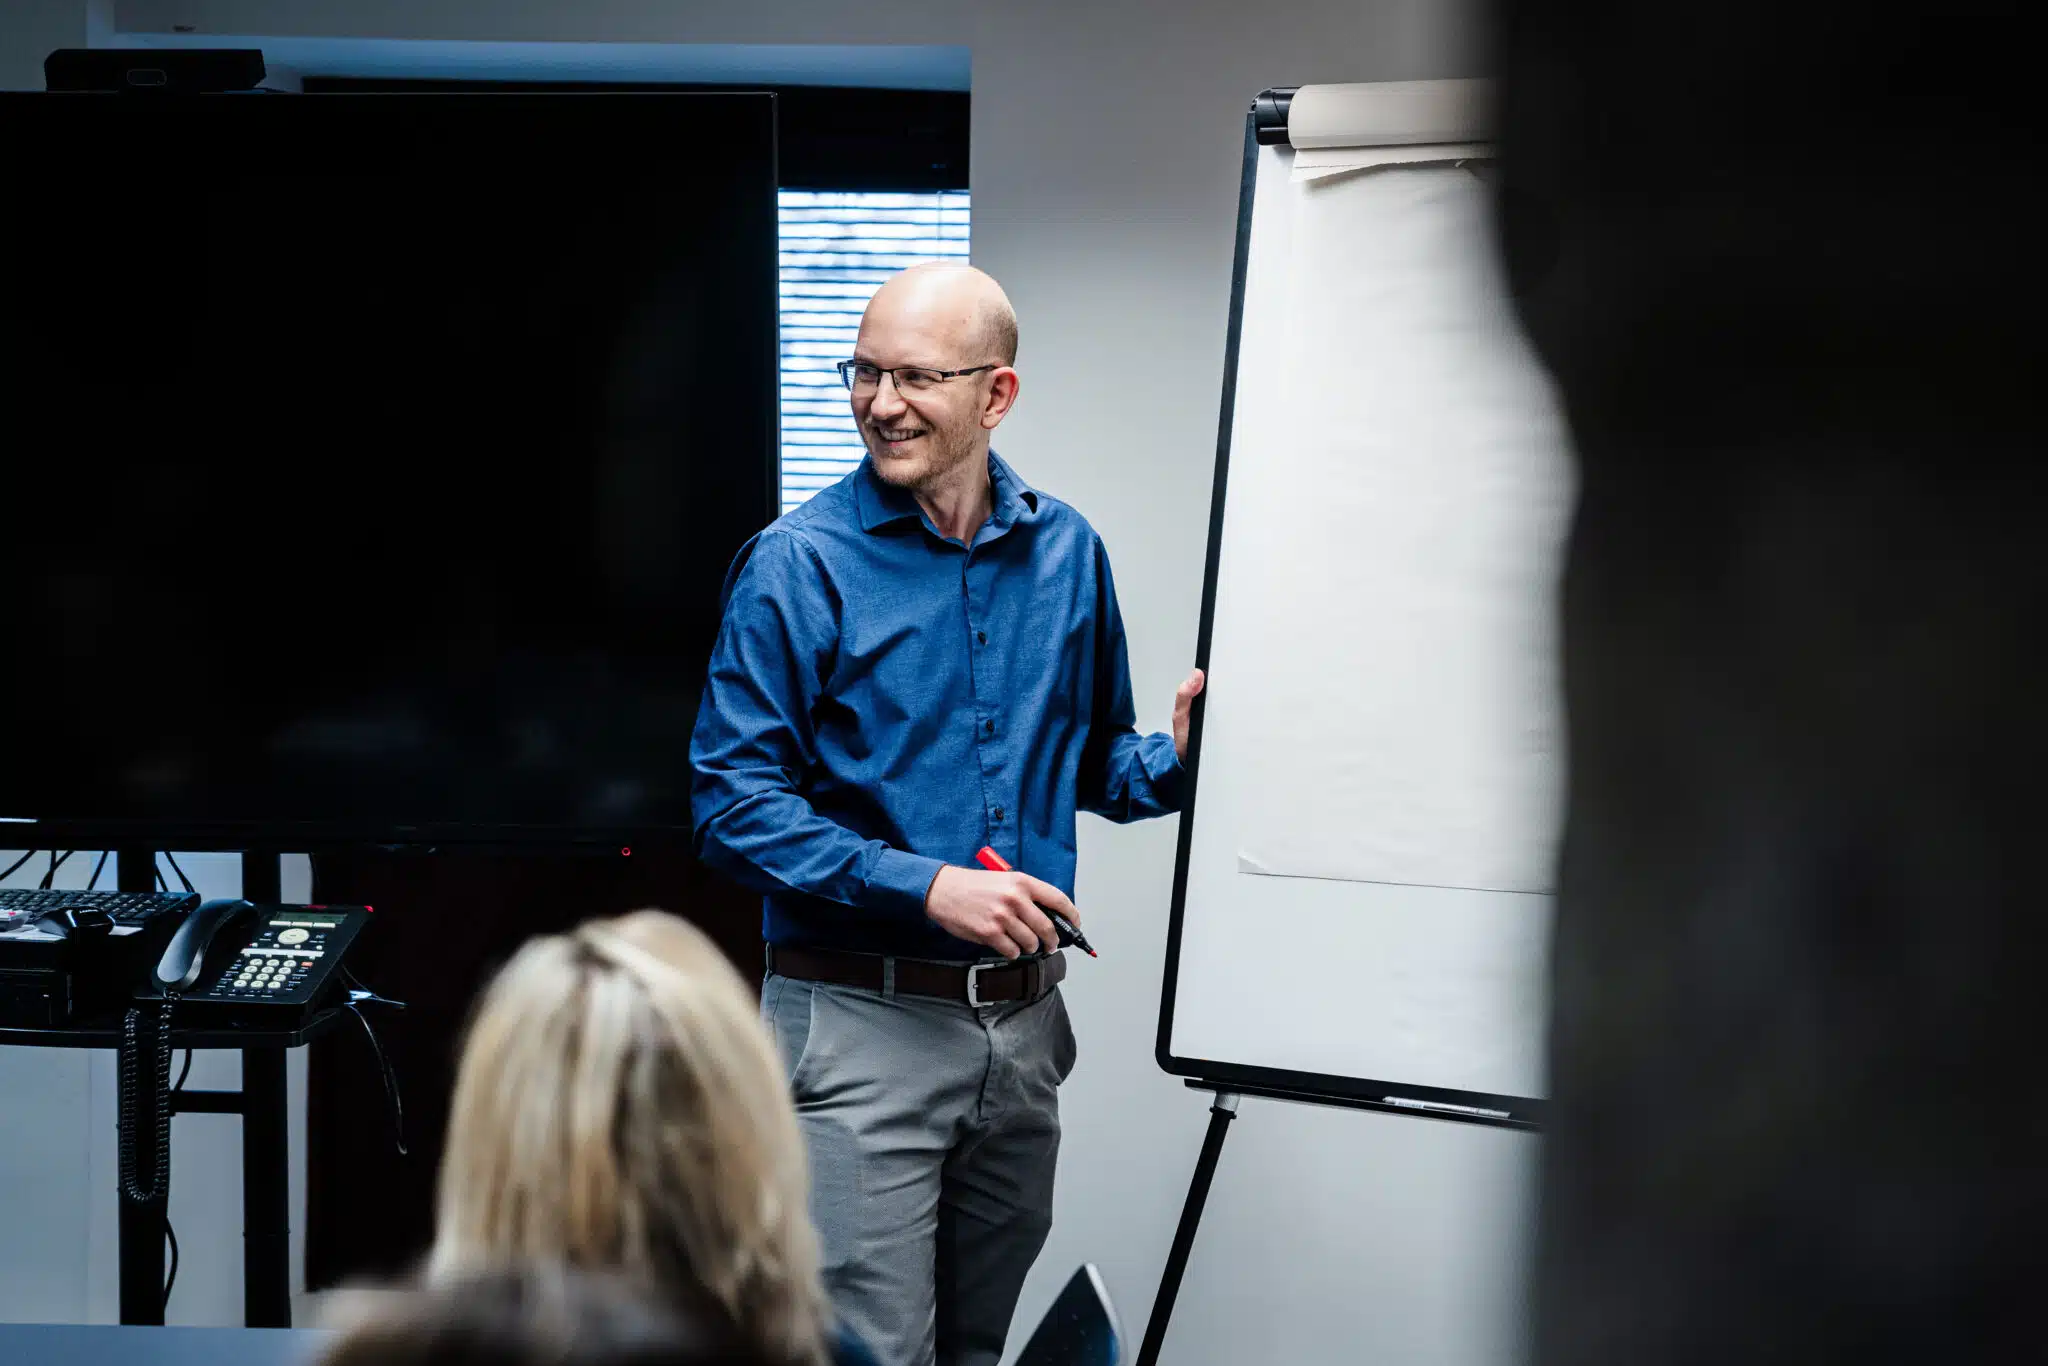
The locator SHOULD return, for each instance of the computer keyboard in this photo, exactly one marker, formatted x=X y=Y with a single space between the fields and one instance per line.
x=21 y=906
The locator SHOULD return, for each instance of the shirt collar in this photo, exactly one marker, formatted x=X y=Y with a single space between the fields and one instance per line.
x=1014 y=499
x=883 y=504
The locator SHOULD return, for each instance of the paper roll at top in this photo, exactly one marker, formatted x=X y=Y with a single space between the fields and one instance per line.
x=1389 y=113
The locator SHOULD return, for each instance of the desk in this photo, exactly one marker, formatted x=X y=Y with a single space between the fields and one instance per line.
x=72 y=1344
x=266 y=1169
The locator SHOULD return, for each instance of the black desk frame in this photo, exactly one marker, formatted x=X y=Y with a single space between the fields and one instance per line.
x=266 y=1163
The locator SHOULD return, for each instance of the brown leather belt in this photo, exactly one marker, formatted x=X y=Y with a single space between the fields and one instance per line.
x=976 y=984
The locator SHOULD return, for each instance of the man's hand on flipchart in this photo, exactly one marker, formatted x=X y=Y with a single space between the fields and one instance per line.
x=1183 y=703
x=999 y=911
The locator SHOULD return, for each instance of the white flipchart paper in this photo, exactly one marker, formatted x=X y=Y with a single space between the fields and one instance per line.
x=1381 y=774
x=1412 y=490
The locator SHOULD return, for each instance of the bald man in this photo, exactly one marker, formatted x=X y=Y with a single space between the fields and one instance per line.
x=924 y=659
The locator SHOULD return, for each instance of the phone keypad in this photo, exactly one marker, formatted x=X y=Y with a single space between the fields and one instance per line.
x=276 y=964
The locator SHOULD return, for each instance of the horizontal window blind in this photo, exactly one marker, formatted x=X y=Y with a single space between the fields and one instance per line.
x=837 y=248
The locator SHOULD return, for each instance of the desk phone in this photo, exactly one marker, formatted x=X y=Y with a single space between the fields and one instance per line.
x=249 y=958
x=274 y=955
x=231 y=964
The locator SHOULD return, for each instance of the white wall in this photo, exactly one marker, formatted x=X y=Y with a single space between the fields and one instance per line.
x=1105 y=165
x=31 y=29
x=58 y=1245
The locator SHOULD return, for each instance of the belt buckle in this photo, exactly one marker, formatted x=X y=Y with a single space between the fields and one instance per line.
x=1033 y=970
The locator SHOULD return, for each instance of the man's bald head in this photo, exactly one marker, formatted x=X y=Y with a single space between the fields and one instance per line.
x=938 y=342
x=957 y=302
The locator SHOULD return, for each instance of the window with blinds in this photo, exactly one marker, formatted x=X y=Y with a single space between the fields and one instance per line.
x=837 y=247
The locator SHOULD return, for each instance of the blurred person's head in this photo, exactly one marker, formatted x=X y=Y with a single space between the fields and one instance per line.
x=540 y=1315
x=620 y=1105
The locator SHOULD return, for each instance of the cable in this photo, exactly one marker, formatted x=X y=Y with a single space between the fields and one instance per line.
x=173 y=859
x=390 y=1078
x=96 y=868
x=172 y=1279
x=130 y=1085
x=56 y=863
x=360 y=994
x=129 y=1066
x=15 y=866
x=161 y=885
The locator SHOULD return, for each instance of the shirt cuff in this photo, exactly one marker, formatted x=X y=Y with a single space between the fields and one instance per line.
x=1163 y=769
x=899 y=881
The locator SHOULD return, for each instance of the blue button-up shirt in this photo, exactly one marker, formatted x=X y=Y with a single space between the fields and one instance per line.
x=883 y=701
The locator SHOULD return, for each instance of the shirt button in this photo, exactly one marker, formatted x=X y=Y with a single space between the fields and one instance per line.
x=999 y=813
x=981 y=637
x=988 y=728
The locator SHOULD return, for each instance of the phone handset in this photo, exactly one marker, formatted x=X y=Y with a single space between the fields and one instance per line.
x=177 y=972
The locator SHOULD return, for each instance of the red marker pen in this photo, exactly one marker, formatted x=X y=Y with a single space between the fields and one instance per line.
x=996 y=863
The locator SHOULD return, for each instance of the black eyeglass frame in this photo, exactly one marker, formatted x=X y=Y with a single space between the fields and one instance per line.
x=846 y=368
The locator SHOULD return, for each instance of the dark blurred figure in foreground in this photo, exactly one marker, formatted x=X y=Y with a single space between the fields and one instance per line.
x=533 y=1316
x=1785 y=264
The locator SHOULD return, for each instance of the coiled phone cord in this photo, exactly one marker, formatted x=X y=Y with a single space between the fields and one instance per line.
x=131 y=1098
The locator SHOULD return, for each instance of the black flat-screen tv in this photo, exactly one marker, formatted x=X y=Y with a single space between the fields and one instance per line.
x=369 y=464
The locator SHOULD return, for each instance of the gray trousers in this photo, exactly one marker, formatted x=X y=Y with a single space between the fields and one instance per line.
x=933 y=1129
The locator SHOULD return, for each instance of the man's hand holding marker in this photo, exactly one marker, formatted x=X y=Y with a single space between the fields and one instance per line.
x=1069 y=934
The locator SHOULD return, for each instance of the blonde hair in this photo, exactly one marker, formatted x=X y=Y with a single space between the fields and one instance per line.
x=620 y=1105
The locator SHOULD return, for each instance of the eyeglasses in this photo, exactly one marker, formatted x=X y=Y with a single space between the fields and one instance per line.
x=863 y=378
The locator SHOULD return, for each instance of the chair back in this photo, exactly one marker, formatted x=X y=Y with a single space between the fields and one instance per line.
x=1080 y=1329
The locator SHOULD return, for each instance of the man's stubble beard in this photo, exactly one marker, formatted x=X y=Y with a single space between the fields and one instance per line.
x=949 y=456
